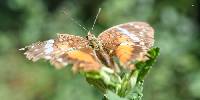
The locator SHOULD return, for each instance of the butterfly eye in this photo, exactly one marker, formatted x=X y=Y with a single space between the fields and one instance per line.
x=87 y=37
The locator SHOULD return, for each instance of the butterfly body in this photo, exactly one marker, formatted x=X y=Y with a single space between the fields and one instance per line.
x=99 y=51
x=128 y=42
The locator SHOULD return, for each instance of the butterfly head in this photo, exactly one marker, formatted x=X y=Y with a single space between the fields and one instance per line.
x=90 y=36
x=93 y=41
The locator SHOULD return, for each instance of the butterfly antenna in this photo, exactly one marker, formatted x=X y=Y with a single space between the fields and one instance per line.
x=96 y=18
x=73 y=20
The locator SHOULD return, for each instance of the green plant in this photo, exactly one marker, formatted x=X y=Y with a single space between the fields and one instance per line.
x=124 y=85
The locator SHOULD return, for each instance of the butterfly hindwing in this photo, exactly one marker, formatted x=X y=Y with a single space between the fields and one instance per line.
x=128 y=41
x=63 y=50
x=82 y=59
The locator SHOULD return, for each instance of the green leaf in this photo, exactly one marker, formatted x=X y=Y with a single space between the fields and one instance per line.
x=136 y=92
x=98 y=83
x=144 y=67
x=112 y=96
x=94 y=75
x=154 y=52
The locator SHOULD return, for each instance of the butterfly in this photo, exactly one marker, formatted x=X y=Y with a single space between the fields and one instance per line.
x=127 y=42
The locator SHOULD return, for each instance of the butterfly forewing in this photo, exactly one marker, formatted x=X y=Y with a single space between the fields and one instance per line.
x=128 y=41
x=63 y=50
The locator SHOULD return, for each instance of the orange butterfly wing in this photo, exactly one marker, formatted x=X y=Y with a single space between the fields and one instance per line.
x=63 y=50
x=129 y=41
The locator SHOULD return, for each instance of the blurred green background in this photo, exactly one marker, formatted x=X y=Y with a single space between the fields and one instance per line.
x=176 y=75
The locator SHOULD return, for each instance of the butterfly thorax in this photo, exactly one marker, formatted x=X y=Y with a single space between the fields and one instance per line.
x=94 y=42
x=99 y=50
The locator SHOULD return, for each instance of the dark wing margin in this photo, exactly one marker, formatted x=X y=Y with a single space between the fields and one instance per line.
x=129 y=41
x=63 y=50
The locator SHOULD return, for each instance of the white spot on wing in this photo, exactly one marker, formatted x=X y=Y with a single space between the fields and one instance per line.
x=49 y=46
x=47 y=57
x=141 y=33
x=126 y=43
x=131 y=24
x=137 y=26
x=60 y=60
x=131 y=35
x=144 y=30
x=36 y=50
x=141 y=43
